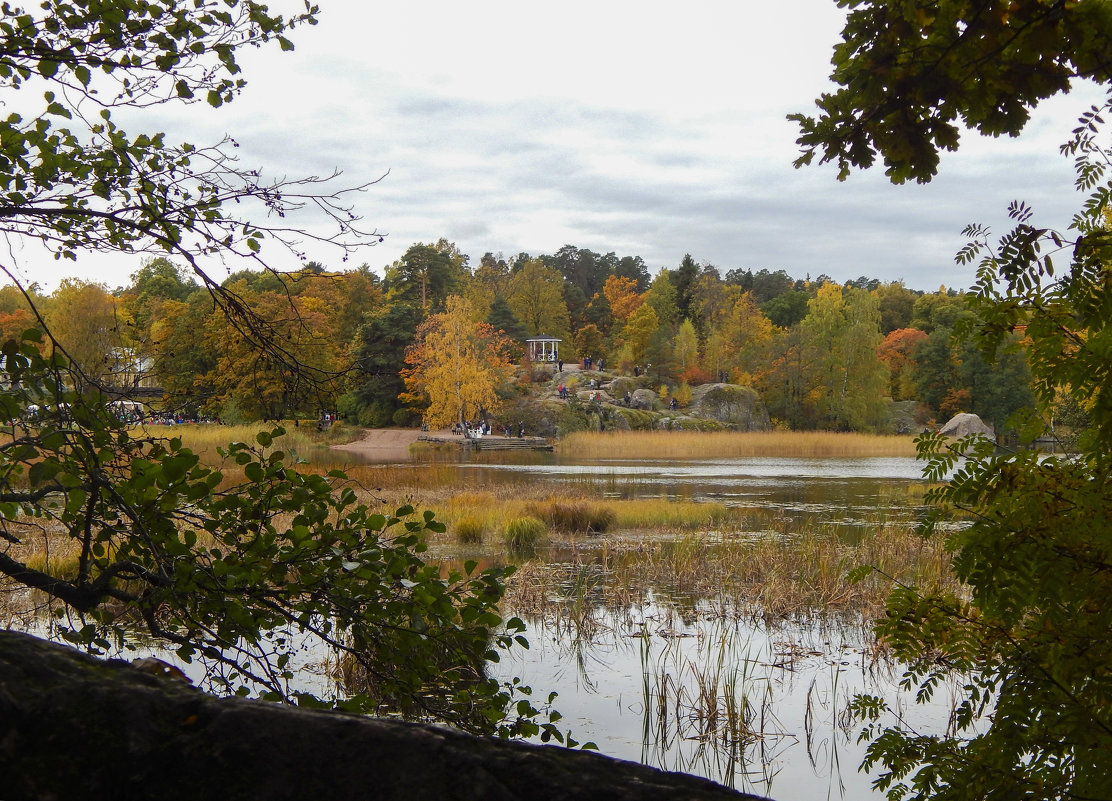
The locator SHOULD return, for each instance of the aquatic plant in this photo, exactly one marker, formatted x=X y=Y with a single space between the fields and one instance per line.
x=730 y=444
x=522 y=535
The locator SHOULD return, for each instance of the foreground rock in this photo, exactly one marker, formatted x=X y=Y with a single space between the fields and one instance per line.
x=75 y=727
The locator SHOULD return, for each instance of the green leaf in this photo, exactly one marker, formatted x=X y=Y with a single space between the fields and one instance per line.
x=58 y=110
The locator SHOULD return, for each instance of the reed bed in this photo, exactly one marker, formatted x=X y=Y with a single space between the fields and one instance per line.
x=752 y=560
x=205 y=438
x=773 y=576
x=731 y=445
x=574 y=511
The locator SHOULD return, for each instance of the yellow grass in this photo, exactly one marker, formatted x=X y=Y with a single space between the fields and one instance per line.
x=731 y=444
x=491 y=512
x=695 y=549
x=205 y=438
x=772 y=576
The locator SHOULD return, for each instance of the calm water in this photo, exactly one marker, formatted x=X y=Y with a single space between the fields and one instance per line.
x=850 y=492
x=657 y=684
x=647 y=686
x=645 y=683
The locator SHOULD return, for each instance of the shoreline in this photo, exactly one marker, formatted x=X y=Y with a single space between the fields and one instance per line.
x=383 y=443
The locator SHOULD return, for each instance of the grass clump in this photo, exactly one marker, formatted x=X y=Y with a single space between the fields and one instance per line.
x=573 y=517
x=469 y=531
x=522 y=535
x=63 y=567
x=666 y=513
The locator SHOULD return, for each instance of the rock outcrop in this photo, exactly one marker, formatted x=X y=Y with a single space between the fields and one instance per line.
x=739 y=407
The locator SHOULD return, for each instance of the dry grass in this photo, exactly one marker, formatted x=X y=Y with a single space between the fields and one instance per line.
x=577 y=511
x=774 y=576
x=752 y=559
x=731 y=445
x=204 y=439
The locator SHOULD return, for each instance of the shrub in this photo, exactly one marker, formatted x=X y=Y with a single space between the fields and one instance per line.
x=683 y=394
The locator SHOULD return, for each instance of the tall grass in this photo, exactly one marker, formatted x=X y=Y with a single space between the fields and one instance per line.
x=522 y=535
x=574 y=517
x=771 y=576
x=730 y=444
x=205 y=438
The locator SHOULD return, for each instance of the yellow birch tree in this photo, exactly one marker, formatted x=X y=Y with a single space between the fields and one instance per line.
x=456 y=366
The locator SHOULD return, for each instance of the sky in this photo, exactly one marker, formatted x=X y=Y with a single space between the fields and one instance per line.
x=641 y=128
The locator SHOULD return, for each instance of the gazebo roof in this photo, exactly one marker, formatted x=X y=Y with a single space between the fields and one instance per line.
x=543 y=338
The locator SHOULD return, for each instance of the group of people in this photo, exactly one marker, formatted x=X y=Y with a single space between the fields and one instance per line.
x=482 y=428
x=589 y=362
x=474 y=428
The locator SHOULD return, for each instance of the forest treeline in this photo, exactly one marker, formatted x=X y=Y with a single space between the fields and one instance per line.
x=822 y=355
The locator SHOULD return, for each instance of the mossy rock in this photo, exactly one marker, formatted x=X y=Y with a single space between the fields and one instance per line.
x=632 y=419
x=644 y=399
x=736 y=406
x=907 y=417
x=688 y=423
x=621 y=385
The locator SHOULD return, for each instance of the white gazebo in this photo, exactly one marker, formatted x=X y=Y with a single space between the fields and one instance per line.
x=543 y=348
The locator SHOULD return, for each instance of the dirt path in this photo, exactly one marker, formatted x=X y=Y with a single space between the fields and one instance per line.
x=383 y=443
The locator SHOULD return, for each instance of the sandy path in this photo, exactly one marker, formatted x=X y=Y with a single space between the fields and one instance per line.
x=383 y=443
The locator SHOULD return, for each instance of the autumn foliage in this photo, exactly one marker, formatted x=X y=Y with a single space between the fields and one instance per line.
x=455 y=366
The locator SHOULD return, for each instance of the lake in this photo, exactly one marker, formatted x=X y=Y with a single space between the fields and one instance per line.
x=692 y=684
x=708 y=690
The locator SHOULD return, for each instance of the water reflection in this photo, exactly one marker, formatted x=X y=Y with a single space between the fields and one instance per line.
x=682 y=683
x=851 y=492
x=687 y=684
x=762 y=708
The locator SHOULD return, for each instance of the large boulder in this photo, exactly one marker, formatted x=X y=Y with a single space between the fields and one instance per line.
x=737 y=406
x=964 y=424
x=621 y=385
x=75 y=727
x=644 y=399
x=906 y=416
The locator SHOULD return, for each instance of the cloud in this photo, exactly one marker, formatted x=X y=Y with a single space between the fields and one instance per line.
x=631 y=127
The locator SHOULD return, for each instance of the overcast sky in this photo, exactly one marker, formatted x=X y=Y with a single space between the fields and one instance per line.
x=643 y=128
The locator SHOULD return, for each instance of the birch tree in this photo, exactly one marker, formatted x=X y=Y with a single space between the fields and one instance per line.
x=846 y=381
x=456 y=365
